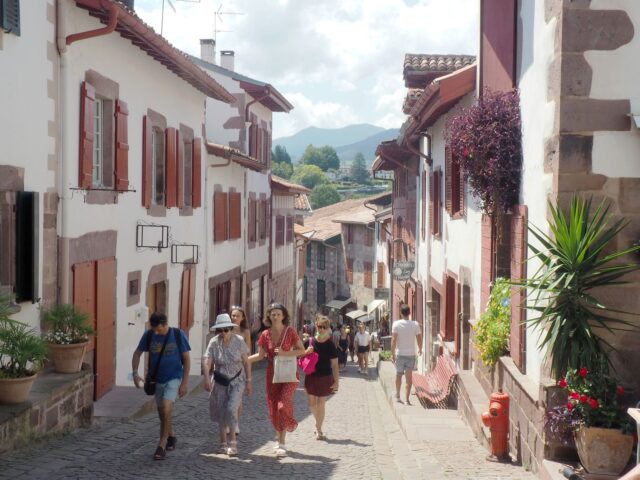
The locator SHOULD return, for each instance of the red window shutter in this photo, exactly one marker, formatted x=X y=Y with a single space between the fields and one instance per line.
x=289 y=229
x=498 y=20
x=267 y=218
x=192 y=296
x=219 y=217
x=235 y=214
x=147 y=168
x=179 y=170
x=170 y=159
x=87 y=112
x=261 y=213
x=367 y=275
x=349 y=270
x=448 y=180
x=448 y=327
x=253 y=141
x=251 y=217
x=183 y=321
x=381 y=274
x=196 y=189
x=487 y=259
x=122 y=146
x=518 y=295
x=84 y=292
x=383 y=231
x=269 y=139
x=456 y=319
x=432 y=197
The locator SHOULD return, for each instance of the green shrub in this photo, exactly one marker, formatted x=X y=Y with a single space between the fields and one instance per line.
x=494 y=326
x=385 y=355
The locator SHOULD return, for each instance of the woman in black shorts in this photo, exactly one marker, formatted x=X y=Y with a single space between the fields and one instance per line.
x=324 y=380
x=363 y=346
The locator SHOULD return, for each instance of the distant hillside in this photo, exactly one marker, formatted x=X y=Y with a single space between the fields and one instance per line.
x=367 y=146
x=319 y=137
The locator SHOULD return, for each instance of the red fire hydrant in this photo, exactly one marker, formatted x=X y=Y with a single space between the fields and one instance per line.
x=497 y=419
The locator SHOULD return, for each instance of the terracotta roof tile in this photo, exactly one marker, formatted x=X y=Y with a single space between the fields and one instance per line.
x=413 y=94
x=301 y=202
x=291 y=187
x=421 y=69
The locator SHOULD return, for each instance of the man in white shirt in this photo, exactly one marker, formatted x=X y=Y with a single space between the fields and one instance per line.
x=406 y=334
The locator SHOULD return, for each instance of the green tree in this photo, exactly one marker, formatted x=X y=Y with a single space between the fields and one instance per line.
x=282 y=169
x=359 y=172
x=308 y=175
x=280 y=155
x=323 y=195
x=324 y=157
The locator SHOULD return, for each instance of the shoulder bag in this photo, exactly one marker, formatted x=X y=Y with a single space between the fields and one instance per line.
x=150 y=379
x=284 y=368
x=308 y=363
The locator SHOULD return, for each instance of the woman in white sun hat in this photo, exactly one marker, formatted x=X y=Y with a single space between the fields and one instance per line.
x=227 y=375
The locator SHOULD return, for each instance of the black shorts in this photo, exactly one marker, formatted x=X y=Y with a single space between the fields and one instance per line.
x=363 y=349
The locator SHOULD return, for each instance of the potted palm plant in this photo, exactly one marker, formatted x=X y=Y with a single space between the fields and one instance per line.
x=22 y=354
x=68 y=333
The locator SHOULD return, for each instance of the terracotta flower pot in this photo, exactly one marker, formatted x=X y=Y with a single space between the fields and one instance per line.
x=604 y=451
x=16 y=390
x=67 y=358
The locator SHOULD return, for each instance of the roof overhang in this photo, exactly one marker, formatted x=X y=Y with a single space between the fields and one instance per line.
x=131 y=27
x=338 y=304
x=235 y=156
x=391 y=156
x=267 y=95
x=282 y=185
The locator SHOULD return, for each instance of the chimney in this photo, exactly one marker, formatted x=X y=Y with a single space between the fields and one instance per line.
x=128 y=4
x=208 y=50
x=227 y=59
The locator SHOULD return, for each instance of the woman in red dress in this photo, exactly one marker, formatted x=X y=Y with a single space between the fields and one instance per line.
x=279 y=339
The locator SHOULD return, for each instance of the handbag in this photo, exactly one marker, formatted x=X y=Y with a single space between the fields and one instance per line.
x=150 y=379
x=284 y=368
x=223 y=379
x=308 y=363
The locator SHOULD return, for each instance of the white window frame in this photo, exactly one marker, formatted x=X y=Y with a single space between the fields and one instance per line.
x=98 y=143
x=187 y=173
x=157 y=135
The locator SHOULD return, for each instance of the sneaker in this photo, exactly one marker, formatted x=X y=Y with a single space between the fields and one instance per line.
x=281 y=452
x=232 y=451
x=222 y=449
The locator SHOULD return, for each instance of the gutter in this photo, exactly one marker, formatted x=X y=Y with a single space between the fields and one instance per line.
x=111 y=26
x=267 y=92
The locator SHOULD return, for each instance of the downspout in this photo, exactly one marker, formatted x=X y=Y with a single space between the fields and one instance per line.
x=267 y=92
x=413 y=149
x=111 y=26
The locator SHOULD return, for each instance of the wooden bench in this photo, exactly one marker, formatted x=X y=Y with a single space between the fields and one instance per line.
x=434 y=388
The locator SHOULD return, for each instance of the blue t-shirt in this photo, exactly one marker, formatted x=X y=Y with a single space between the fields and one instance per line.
x=171 y=364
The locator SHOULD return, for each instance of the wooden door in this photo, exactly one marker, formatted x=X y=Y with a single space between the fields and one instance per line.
x=105 y=326
x=84 y=293
x=152 y=303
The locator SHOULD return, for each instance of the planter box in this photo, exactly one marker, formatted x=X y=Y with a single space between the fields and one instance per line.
x=604 y=451
x=67 y=358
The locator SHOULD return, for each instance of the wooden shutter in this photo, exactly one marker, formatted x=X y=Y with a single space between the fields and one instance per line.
x=219 y=216
x=253 y=140
x=381 y=274
x=10 y=16
x=192 y=296
x=456 y=319
x=437 y=202
x=487 y=259
x=461 y=203
x=518 y=295
x=368 y=281
x=180 y=170
x=84 y=292
x=261 y=213
x=87 y=113
x=279 y=230
x=147 y=155
x=196 y=189
x=498 y=20
x=448 y=180
x=349 y=270
x=448 y=326
x=251 y=220
x=267 y=217
x=171 y=167
x=187 y=300
x=289 y=229
x=105 y=325
x=269 y=140
x=122 y=146
x=235 y=214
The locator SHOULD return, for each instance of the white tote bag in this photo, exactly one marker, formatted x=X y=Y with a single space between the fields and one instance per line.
x=284 y=368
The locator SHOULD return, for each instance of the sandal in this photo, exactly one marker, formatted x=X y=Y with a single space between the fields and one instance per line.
x=160 y=453
x=171 y=443
x=223 y=448
x=232 y=451
x=320 y=435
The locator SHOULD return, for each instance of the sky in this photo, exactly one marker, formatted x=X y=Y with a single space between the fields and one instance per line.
x=339 y=62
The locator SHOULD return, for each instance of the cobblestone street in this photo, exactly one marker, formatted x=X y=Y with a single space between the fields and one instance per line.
x=364 y=442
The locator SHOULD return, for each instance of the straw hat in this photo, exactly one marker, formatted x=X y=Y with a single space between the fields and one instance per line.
x=222 y=321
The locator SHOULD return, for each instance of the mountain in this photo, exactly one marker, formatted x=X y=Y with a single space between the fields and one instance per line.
x=320 y=137
x=367 y=146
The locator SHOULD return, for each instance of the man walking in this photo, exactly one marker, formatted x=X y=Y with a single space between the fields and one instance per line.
x=170 y=363
x=405 y=335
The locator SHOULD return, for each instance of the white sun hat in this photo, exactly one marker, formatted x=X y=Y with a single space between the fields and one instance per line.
x=222 y=321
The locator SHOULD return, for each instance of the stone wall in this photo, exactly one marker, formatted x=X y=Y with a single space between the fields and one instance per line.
x=58 y=403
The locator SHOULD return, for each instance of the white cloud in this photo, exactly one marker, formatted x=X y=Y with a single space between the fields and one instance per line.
x=342 y=58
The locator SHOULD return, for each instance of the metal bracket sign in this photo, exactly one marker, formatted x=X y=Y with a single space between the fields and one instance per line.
x=403 y=270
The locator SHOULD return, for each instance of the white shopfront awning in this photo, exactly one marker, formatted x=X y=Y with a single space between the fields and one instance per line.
x=373 y=306
x=356 y=314
x=338 y=304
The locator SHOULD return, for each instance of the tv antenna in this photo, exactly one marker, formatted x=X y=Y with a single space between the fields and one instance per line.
x=172 y=8
x=217 y=16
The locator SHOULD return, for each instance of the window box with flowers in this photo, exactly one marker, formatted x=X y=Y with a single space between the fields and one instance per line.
x=596 y=419
x=68 y=333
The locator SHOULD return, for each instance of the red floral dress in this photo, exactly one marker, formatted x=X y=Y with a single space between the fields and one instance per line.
x=279 y=395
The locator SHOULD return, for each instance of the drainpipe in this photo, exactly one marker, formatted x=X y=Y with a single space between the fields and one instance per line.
x=414 y=150
x=111 y=26
x=267 y=92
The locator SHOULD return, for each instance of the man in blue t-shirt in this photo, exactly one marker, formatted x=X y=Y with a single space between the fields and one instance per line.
x=172 y=373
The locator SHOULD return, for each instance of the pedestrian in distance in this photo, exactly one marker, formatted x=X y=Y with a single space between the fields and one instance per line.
x=362 y=342
x=279 y=339
x=227 y=375
x=239 y=319
x=406 y=335
x=335 y=334
x=352 y=345
x=343 y=347
x=169 y=358
x=325 y=379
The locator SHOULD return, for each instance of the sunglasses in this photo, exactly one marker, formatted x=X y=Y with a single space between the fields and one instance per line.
x=225 y=329
x=322 y=327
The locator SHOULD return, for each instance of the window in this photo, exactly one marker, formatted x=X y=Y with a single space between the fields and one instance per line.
x=381 y=275
x=368 y=274
x=10 y=16
x=98 y=139
x=252 y=222
x=454 y=189
x=321 y=298
x=349 y=270
x=320 y=257
x=289 y=229
x=309 y=256
x=435 y=309
x=219 y=300
x=235 y=215
x=220 y=219
x=349 y=234
x=435 y=202
x=157 y=162
x=187 y=173
x=279 y=230
x=304 y=290
x=368 y=236
x=450 y=309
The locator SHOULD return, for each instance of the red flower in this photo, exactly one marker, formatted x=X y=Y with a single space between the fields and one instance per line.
x=562 y=383
x=620 y=391
x=583 y=372
x=575 y=395
x=593 y=403
x=583 y=399
x=465 y=152
x=569 y=406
